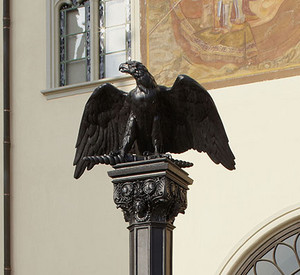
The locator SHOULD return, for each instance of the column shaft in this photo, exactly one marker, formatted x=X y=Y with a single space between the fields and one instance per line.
x=151 y=249
x=151 y=194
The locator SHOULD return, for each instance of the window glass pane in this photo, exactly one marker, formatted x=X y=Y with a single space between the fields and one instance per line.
x=75 y=43
x=264 y=267
x=112 y=62
x=76 y=72
x=286 y=259
x=251 y=272
x=268 y=256
x=115 y=13
x=297 y=245
x=76 y=20
x=115 y=39
x=291 y=240
x=76 y=46
x=282 y=256
x=115 y=36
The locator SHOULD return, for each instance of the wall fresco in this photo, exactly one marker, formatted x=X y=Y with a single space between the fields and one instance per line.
x=222 y=42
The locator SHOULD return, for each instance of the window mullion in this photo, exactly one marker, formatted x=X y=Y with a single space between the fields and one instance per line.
x=88 y=40
x=94 y=48
x=101 y=39
x=105 y=39
x=65 y=50
x=128 y=29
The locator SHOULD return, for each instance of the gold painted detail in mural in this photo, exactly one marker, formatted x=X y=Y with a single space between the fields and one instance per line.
x=188 y=40
x=214 y=44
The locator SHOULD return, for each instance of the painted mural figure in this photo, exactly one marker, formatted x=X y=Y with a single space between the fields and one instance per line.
x=223 y=39
x=250 y=15
x=227 y=37
x=226 y=12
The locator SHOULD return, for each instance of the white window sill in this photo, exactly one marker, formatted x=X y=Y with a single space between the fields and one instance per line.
x=123 y=83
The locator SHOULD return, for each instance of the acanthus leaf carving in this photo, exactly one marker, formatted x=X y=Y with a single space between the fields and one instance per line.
x=156 y=199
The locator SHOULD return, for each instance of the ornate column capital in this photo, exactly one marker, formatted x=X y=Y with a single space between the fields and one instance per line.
x=150 y=191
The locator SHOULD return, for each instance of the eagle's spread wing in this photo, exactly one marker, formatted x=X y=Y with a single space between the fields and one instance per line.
x=104 y=117
x=191 y=121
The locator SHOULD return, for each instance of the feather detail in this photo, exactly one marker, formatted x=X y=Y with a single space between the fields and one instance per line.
x=194 y=122
x=150 y=118
x=96 y=134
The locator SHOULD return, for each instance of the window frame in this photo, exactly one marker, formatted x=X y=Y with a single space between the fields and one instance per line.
x=261 y=239
x=53 y=90
x=268 y=245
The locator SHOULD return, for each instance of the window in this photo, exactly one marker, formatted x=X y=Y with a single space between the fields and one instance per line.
x=86 y=42
x=279 y=255
x=75 y=34
x=115 y=35
x=75 y=59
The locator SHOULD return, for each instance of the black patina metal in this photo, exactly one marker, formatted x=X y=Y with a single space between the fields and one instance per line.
x=6 y=138
x=151 y=193
x=134 y=132
x=117 y=158
x=151 y=119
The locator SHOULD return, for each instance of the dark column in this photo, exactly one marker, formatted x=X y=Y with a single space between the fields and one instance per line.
x=151 y=194
x=6 y=139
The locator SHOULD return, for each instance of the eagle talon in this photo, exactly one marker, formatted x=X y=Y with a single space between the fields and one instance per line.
x=168 y=156
x=114 y=153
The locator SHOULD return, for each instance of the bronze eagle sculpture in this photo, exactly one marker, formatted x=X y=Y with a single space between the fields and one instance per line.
x=151 y=119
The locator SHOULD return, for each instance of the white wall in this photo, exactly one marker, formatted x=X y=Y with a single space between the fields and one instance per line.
x=62 y=226
x=262 y=122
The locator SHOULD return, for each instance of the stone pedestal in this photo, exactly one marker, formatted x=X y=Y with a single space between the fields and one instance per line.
x=151 y=193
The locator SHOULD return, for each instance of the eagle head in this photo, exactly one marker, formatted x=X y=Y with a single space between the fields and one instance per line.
x=134 y=68
x=139 y=72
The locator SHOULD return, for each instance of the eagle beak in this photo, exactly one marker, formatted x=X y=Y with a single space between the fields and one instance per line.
x=124 y=68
